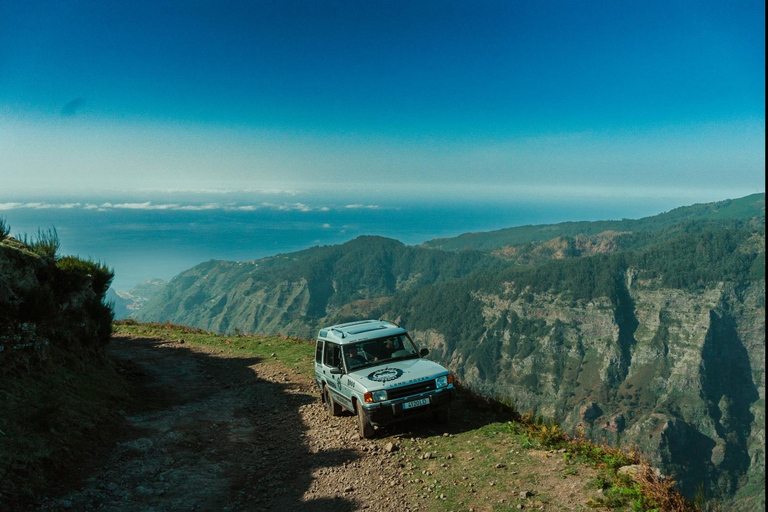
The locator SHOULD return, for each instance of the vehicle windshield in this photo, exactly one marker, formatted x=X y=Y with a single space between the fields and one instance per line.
x=379 y=351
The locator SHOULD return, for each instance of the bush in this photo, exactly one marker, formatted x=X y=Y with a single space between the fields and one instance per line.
x=46 y=244
x=5 y=229
x=74 y=271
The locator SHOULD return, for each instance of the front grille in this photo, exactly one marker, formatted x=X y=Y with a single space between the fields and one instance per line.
x=412 y=389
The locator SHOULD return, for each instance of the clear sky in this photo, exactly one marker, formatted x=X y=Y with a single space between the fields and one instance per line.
x=478 y=97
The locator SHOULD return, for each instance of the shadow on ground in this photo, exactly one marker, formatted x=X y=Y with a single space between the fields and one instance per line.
x=206 y=433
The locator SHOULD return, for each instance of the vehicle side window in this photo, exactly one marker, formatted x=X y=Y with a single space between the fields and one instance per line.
x=332 y=355
x=319 y=351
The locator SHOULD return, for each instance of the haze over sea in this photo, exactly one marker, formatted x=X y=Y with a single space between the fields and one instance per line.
x=159 y=234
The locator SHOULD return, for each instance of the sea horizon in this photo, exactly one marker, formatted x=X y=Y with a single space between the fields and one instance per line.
x=159 y=235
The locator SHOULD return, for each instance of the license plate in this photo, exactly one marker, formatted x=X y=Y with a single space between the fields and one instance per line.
x=416 y=403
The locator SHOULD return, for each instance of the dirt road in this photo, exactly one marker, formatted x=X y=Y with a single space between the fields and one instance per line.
x=214 y=432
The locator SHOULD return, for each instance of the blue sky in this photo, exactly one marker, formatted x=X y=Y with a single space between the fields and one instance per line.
x=455 y=98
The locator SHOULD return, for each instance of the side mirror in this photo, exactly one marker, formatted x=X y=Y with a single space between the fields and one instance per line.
x=424 y=352
x=335 y=371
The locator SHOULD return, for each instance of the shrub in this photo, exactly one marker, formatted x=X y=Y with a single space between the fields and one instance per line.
x=46 y=244
x=74 y=271
x=5 y=229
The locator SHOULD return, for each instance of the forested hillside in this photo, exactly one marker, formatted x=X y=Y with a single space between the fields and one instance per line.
x=651 y=334
x=743 y=208
x=294 y=292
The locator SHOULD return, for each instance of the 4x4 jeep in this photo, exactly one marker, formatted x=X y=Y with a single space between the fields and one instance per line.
x=373 y=369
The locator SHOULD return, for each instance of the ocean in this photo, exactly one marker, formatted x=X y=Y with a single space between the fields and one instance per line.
x=145 y=235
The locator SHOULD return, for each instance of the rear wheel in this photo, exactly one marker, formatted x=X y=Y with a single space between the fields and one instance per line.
x=332 y=407
x=364 y=426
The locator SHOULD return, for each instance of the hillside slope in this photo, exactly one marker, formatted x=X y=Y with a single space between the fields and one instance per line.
x=742 y=208
x=291 y=293
x=57 y=389
x=658 y=340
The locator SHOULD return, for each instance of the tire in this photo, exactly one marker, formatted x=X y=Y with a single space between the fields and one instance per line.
x=332 y=407
x=442 y=416
x=364 y=426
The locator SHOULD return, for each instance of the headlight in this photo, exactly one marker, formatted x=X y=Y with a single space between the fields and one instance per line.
x=443 y=381
x=379 y=396
x=375 y=396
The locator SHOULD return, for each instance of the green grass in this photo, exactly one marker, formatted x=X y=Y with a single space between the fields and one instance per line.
x=289 y=351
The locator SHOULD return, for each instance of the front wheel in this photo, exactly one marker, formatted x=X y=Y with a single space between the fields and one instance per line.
x=332 y=407
x=364 y=426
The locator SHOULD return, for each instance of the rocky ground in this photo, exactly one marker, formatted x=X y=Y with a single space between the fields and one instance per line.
x=212 y=431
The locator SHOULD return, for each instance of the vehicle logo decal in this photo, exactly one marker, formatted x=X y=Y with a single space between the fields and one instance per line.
x=385 y=374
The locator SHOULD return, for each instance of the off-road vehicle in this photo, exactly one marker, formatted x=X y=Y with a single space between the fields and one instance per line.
x=373 y=369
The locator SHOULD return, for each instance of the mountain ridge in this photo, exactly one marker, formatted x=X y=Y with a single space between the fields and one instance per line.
x=584 y=338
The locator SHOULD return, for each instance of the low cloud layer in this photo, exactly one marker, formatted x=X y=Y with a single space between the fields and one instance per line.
x=149 y=205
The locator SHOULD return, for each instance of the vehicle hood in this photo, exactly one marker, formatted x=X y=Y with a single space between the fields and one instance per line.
x=398 y=373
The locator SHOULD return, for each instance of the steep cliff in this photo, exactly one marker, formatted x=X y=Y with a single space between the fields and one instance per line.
x=296 y=292
x=654 y=338
x=679 y=374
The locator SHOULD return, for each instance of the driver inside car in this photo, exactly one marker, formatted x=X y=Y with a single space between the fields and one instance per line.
x=353 y=357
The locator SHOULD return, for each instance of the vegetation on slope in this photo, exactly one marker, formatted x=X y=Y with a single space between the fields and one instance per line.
x=562 y=332
x=742 y=208
x=473 y=458
x=57 y=389
x=291 y=293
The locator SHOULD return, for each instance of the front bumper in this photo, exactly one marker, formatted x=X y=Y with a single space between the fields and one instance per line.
x=391 y=411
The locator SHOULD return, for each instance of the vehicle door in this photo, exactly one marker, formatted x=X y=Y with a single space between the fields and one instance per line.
x=333 y=372
x=319 y=362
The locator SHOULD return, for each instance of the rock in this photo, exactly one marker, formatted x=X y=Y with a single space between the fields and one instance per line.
x=390 y=447
x=590 y=411
x=144 y=490
x=526 y=494
x=633 y=469
x=500 y=465
x=142 y=444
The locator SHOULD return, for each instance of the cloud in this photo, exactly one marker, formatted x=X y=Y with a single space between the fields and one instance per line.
x=38 y=206
x=71 y=108
x=200 y=207
x=362 y=207
x=149 y=205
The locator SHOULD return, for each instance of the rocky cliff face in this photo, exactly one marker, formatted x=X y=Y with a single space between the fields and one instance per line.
x=50 y=303
x=654 y=339
x=679 y=374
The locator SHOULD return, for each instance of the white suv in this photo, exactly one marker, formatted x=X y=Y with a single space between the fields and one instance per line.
x=373 y=369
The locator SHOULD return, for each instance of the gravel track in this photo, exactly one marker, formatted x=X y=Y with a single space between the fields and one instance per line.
x=216 y=432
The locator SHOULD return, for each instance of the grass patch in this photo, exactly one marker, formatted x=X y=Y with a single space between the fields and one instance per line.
x=292 y=352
